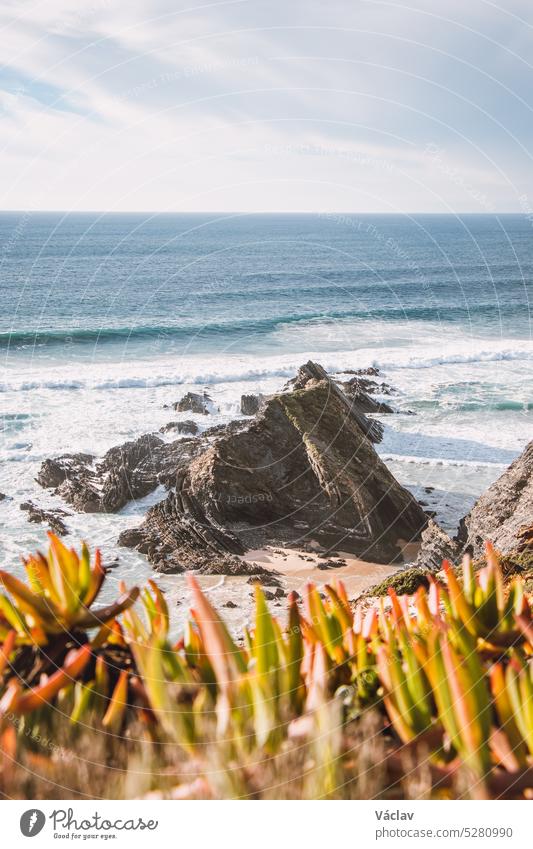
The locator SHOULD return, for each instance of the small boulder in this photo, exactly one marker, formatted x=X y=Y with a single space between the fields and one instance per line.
x=195 y=403
x=188 y=426
x=130 y=538
x=52 y=518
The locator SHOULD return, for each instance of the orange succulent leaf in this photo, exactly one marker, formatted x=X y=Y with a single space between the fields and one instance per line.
x=74 y=664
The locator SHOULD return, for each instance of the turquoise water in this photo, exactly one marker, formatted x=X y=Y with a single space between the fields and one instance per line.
x=105 y=319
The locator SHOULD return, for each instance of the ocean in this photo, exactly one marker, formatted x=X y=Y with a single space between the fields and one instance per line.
x=107 y=318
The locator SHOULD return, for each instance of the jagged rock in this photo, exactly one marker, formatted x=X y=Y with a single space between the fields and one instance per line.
x=195 y=403
x=250 y=404
x=129 y=472
x=188 y=426
x=302 y=471
x=504 y=512
x=436 y=546
x=365 y=384
x=311 y=373
x=264 y=577
x=52 y=518
x=126 y=472
x=225 y=429
x=3 y=496
x=308 y=372
x=359 y=388
x=372 y=371
x=53 y=472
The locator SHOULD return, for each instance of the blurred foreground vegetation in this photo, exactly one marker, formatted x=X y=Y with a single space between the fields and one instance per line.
x=427 y=695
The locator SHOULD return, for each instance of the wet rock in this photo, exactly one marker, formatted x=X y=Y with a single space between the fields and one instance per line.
x=303 y=472
x=360 y=390
x=52 y=518
x=250 y=404
x=130 y=538
x=195 y=403
x=54 y=472
x=372 y=371
x=504 y=512
x=188 y=426
x=126 y=472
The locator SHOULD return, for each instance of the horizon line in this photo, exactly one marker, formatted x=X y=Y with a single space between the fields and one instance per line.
x=246 y=212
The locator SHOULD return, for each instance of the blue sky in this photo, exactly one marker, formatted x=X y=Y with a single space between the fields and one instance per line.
x=262 y=105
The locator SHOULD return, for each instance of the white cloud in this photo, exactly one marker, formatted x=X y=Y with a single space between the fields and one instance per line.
x=256 y=105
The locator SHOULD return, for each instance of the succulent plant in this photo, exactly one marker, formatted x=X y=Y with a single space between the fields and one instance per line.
x=62 y=587
x=449 y=667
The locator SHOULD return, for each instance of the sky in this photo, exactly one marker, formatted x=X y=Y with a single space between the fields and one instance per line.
x=267 y=105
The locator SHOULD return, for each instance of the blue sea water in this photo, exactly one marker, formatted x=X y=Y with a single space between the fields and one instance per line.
x=106 y=318
x=196 y=282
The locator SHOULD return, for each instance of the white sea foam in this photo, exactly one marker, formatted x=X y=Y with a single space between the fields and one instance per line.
x=210 y=370
x=387 y=457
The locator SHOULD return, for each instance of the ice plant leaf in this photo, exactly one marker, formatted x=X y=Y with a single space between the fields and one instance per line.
x=225 y=658
x=74 y=663
x=264 y=643
x=114 y=714
x=97 y=618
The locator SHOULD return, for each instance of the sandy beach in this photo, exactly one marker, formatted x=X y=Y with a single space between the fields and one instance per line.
x=299 y=567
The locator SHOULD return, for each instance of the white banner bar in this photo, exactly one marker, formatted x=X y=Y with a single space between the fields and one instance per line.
x=264 y=825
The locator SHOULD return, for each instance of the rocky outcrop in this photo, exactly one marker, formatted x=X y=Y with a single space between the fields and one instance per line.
x=250 y=404
x=372 y=371
x=504 y=513
x=126 y=472
x=54 y=472
x=195 y=403
x=360 y=389
x=52 y=518
x=312 y=373
x=436 y=546
x=303 y=473
x=188 y=426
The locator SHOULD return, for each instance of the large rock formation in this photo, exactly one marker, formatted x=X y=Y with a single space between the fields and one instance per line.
x=504 y=513
x=303 y=473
